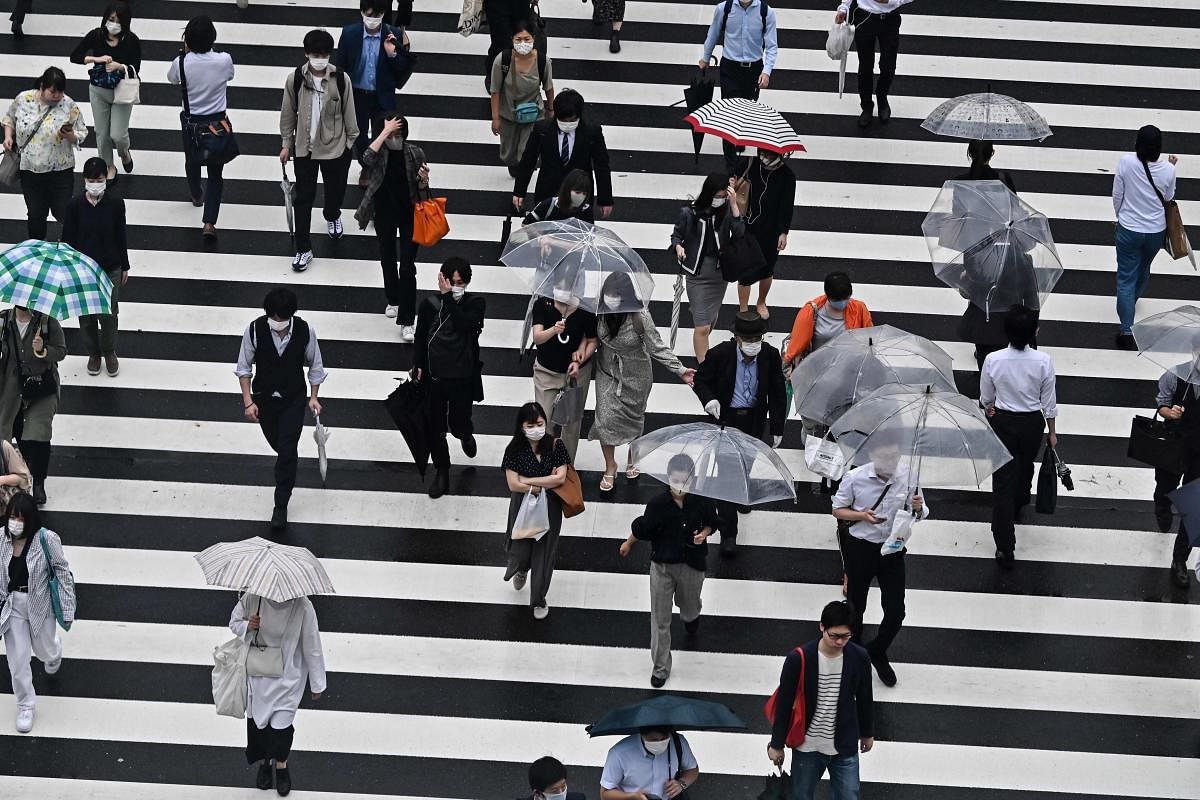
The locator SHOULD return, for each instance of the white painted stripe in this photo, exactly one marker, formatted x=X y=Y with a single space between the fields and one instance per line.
x=73 y=789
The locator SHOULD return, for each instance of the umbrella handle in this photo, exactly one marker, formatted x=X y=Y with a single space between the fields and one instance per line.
x=283 y=167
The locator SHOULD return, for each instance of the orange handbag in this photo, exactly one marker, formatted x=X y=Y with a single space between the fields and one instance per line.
x=429 y=221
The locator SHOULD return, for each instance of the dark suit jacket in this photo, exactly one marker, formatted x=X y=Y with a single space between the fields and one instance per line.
x=855 y=717
x=716 y=376
x=589 y=154
x=390 y=73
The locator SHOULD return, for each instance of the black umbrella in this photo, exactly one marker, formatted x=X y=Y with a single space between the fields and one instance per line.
x=778 y=787
x=698 y=93
x=670 y=711
x=408 y=408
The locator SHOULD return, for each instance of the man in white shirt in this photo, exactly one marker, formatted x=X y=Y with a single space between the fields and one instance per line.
x=656 y=762
x=1016 y=388
x=870 y=497
x=874 y=21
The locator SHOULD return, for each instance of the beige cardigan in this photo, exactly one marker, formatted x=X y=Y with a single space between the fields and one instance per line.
x=338 y=126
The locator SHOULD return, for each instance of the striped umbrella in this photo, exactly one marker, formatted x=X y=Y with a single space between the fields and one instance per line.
x=277 y=572
x=746 y=123
x=54 y=279
x=675 y=303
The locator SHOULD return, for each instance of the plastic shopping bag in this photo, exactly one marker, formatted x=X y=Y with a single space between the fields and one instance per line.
x=902 y=525
x=532 y=520
x=229 y=681
x=824 y=458
x=841 y=39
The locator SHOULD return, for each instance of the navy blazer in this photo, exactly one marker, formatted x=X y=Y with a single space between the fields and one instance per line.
x=855 y=719
x=390 y=73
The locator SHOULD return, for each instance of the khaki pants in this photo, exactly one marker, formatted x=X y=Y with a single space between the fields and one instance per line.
x=547 y=385
x=671 y=585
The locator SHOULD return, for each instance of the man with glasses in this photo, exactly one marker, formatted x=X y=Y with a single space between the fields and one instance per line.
x=838 y=721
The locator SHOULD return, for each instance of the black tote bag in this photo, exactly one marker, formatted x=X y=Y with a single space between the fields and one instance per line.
x=1047 y=483
x=1152 y=441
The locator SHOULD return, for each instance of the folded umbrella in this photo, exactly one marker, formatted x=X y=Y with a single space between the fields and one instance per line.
x=277 y=572
x=407 y=405
x=289 y=195
x=676 y=302
x=321 y=436
x=670 y=711
x=837 y=47
x=698 y=93
x=53 y=278
x=746 y=123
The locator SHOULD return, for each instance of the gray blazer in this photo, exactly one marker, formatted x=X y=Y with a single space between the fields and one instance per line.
x=41 y=613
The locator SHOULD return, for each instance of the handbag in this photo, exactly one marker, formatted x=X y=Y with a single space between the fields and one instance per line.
x=570 y=493
x=741 y=189
x=213 y=142
x=230 y=684
x=568 y=405
x=824 y=458
x=533 y=520
x=429 y=220
x=33 y=387
x=796 y=726
x=471 y=17
x=129 y=90
x=264 y=660
x=739 y=257
x=55 y=586
x=10 y=165
x=1047 y=482
x=1159 y=444
x=1175 y=241
x=100 y=77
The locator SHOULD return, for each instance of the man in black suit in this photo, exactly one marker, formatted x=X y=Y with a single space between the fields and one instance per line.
x=563 y=144
x=741 y=384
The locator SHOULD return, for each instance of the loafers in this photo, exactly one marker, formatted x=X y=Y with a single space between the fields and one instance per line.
x=883 y=668
x=885 y=111
x=1180 y=575
x=441 y=483
x=657 y=682
x=1006 y=558
x=283 y=781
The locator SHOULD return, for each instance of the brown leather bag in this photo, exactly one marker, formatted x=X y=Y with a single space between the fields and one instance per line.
x=570 y=493
x=1175 y=242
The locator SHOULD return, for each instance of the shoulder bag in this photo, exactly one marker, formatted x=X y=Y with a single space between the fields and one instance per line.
x=230 y=683
x=1175 y=242
x=213 y=142
x=429 y=220
x=33 y=387
x=740 y=256
x=1155 y=442
x=55 y=587
x=10 y=165
x=570 y=493
x=266 y=661
x=796 y=727
x=129 y=90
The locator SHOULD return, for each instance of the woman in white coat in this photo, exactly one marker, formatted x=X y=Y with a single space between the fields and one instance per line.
x=26 y=613
x=272 y=701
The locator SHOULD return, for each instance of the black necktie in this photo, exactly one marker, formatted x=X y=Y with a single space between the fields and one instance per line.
x=566 y=148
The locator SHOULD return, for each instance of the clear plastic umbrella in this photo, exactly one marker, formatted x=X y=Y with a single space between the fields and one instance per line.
x=943 y=437
x=852 y=365
x=988 y=116
x=583 y=260
x=726 y=463
x=1172 y=341
x=991 y=245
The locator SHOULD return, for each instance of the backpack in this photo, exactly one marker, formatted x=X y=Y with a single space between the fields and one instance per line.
x=298 y=81
x=506 y=63
x=763 y=8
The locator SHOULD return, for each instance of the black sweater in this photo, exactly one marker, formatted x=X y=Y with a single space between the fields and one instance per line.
x=128 y=49
x=670 y=529
x=772 y=199
x=98 y=231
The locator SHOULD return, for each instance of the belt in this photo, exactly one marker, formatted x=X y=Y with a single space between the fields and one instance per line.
x=742 y=64
x=1008 y=413
x=741 y=411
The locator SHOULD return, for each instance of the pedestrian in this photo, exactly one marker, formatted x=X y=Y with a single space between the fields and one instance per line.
x=446 y=354
x=1016 y=387
x=32 y=554
x=565 y=336
x=876 y=22
x=33 y=345
x=624 y=378
x=825 y=317
x=519 y=78
x=704 y=227
x=1141 y=185
x=1175 y=402
x=562 y=145
x=573 y=201
x=272 y=700
x=677 y=524
x=869 y=497
x=502 y=17
x=534 y=464
x=376 y=57
x=769 y=219
x=396 y=175
x=838 y=708
x=113 y=50
x=48 y=128
x=95 y=226
x=749 y=39
x=318 y=125
x=548 y=780
x=610 y=12
x=653 y=763
x=206 y=74
x=17 y=18
x=741 y=385
x=276 y=349
x=15 y=476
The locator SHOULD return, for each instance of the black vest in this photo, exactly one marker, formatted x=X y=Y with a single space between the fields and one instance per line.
x=279 y=373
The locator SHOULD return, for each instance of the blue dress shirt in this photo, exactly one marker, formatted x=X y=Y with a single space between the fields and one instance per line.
x=364 y=77
x=744 y=36
x=745 y=384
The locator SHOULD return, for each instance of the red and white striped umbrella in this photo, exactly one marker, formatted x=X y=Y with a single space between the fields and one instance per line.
x=746 y=123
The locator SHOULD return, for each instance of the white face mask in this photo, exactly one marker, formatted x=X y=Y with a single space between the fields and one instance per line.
x=95 y=189
x=679 y=488
x=563 y=295
x=717 y=202
x=16 y=528
x=611 y=301
x=555 y=795
x=372 y=23
x=568 y=127
x=113 y=28
x=279 y=326
x=457 y=292
x=577 y=199
x=535 y=433
x=394 y=142
x=523 y=48
x=750 y=349
x=318 y=64
x=656 y=748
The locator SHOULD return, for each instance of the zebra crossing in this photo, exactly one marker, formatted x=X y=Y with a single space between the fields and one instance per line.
x=1074 y=676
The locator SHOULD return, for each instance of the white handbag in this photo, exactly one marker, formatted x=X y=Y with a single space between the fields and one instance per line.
x=824 y=458
x=471 y=18
x=129 y=90
x=264 y=660
x=901 y=532
x=230 y=683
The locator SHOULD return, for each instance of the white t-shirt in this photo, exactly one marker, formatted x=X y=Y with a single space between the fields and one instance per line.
x=819 y=736
x=1138 y=207
x=317 y=95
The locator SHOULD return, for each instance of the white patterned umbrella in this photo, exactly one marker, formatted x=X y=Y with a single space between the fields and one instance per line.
x=277 y=572
x=987 y=116
x=746 y=123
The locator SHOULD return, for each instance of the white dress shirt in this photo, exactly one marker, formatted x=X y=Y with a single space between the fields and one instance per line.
x=873 y=6
x=1018 y=380
x=1138 y=207
x=861 y=487
x=570 y=138
x=312 y=354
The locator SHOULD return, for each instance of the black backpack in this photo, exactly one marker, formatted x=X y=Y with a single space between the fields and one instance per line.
x=298 y=81
x=763 y=7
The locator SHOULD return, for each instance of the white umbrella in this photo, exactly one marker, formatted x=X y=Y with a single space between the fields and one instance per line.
x=277 y=572
x=321 y=436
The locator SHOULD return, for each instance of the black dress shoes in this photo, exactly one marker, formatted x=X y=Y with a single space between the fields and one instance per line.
x=692 y=627
x=283 y=781
x=266 y=775
x=441 y=483
x=1125 y=341
x=728 y=546
x=17 y=32
x=1006 y=558
x=657 y=682
x=1180 y=575
x=883 y=668
x=864 y=119
x=470 y=447
x=885 y=111
x=279 y=519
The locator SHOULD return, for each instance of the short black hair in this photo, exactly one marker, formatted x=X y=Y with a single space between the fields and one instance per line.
x=838 y=286
x=200 y=34
x=124 y=15
x=280 y=302
x=681 y=462
x=23 y=506
x=52 y=78
x=378 y=6
x=545 y=772
x=384 y=116
x=1020 y=326
x=95 y=167
x=568 y=103
x=457 y=264
x=318 y=41
x=837 y=614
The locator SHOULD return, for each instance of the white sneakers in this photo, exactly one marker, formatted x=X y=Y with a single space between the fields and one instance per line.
x=334 y=228
x=408 y=333
x=391 y=311
x=24 y=720
x=53 y=666
x=302 y=260
x=541 y=612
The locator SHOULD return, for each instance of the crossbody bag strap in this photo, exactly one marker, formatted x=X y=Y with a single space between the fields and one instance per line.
x=187 y=109
x=36 y=128
x=879 y=499
x=1153 y=185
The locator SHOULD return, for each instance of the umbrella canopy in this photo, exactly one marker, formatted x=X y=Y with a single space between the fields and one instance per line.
x=408 y=407
x=847 y=368
x=746 y=123
x=727 y=464
x=943 y=437
x=991 y=245
x=574 y=261
x=53 y=278
x=1187 y=502
x=321 y=436
x=670 y=711
x=698 y=93
x=277 y=572
x=988 y=116
x=1172 y=341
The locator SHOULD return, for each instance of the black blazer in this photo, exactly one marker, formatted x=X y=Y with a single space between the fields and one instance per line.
x=589 y=154
x=716 y=377
x=855 y=717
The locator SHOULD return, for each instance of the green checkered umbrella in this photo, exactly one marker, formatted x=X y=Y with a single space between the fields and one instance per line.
x=53 y=278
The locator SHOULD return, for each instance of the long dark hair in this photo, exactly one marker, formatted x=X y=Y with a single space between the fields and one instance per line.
x=980 y=152
x=714 y=183
x=530 y=413
x=23 y=506
x=576 y=180
x=124 y=16
x=1149 y=143
x=615 y=283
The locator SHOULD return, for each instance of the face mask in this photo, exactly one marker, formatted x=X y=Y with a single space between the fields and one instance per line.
x=751 y=349
x=279 y=326
x=839 y=305
x=318 y=64
x=394 y=142
x=568 y=127
x=562 y=295
x=536 y=433
x=718 y=202
x=556 y=795
x=16 y=528
x=95 y=189
x=656 y=748
x=523 y=48
x=457 y=292
x=577 y=199
x=770 y=161
x=372 y=23
x=113 y=28
x=611 y=301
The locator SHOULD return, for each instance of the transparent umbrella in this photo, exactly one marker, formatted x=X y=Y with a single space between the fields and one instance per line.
x=1172 y=341
x=849 y=367
x=991 y=245
x=726 y=463
x=988 y=116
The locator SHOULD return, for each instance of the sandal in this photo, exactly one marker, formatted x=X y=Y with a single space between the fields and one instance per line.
x=763 y=311
x=632 y=473
x=606 y=482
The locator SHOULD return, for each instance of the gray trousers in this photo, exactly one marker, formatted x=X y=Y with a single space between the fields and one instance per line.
x=100 y=330
x=671 y=585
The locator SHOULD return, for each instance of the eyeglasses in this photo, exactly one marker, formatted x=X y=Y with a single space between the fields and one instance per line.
x=839 y=637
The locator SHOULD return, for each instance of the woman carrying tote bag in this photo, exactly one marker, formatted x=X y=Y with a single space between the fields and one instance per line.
x=114 y=54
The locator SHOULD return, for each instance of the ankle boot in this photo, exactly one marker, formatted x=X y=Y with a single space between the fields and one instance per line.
x=37 y=456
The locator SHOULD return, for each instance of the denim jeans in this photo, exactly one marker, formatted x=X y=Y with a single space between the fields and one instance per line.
x=807 y=769
x=1135 y=251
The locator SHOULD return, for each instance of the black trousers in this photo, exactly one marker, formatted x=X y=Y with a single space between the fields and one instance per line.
x=738 y=79
x=268 y=743
x=751 y=425
x=882 y=30
x=1165 y=483
x=334 y=172
x=1021 y=433
x=366 y=109
x=450 y=406
x=864 y=564
x=45 y=193
x=281 y=422
x=21 y=8
x=394 y=231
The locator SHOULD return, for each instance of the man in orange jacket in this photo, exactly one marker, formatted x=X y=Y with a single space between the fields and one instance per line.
x=824 y=317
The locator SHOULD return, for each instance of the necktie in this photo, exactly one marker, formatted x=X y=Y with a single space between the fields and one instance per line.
x=566 y=148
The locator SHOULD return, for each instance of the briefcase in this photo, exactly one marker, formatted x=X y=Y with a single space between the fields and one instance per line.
x=1152 y=441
